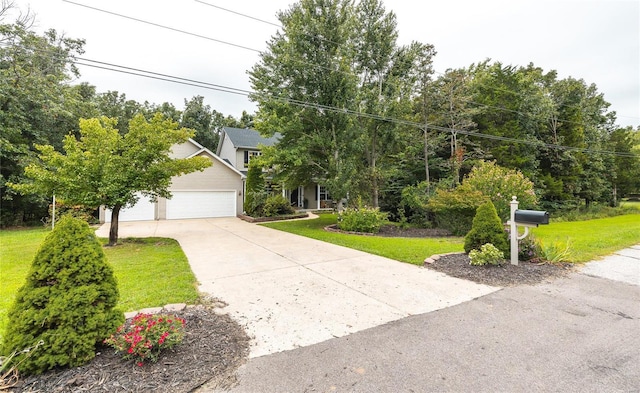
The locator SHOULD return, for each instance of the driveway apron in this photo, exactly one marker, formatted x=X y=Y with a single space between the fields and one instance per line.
x=290 y=291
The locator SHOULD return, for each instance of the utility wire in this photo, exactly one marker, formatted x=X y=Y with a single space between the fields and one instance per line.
x=163 y=26
x=495 y=88
x=226 y=89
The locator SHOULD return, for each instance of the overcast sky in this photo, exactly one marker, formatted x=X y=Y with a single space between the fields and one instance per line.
x=598 y=41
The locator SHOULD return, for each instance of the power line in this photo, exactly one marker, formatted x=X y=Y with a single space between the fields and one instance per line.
x=163 y=26
x=226 y=89
x=495 y=88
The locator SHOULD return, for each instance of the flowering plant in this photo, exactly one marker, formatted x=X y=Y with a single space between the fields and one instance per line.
x=146 y=335
x=488 y=255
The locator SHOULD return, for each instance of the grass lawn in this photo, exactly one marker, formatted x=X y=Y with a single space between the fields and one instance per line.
x=592 y=239
x=588 y=240
x=150 y=272
x=410 y=250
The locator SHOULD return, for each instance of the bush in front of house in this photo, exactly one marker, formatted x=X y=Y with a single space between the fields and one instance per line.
x=67 y=302
x=256 y=195
x=486 y=228
x=361 y=219
x=487 y=255
x=454 y=209
x=276 y=205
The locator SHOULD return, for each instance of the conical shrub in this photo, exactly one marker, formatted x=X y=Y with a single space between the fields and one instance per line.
x=486 y=228
x=68 y=302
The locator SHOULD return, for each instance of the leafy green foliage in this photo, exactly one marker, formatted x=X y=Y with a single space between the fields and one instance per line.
x=255 y=193
x=555 y=252
x=414 y=204
x=276 y=205
x=486 y=228
x=487 y=255
x=67 y=301
x=109 y=169
x=361 y=219
x=500 y=184
x=529 y=248
x=454 y=209
x=37 y=106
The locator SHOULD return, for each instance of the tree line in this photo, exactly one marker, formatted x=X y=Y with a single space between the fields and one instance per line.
x=40 y=106
x=369 y=117
x=358 y=112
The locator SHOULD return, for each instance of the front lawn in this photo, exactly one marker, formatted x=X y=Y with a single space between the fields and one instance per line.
x=150 y=272
x=410 y=250
x=588 y=240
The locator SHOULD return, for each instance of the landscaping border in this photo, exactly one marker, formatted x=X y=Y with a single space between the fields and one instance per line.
x=270 y=219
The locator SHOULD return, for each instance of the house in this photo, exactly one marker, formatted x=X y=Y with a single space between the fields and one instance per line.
x=237 y=146
x=217 y=191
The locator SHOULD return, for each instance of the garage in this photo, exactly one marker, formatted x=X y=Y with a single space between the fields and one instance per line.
x=201 y=204
x=144 y=210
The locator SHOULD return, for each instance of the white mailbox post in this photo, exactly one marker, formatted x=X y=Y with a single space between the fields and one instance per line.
x=526 y=219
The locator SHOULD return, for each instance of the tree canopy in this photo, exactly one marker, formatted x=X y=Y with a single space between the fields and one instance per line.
x=105 y=168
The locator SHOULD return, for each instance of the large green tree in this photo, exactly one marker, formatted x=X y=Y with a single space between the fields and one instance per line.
x=330 y=82
x=300 y=83
x=36 y=105
x=105 y=168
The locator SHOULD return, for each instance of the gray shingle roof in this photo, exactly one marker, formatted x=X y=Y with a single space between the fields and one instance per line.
x=249 y=139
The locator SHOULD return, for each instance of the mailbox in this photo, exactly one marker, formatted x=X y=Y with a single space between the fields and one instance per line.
x=531 y=217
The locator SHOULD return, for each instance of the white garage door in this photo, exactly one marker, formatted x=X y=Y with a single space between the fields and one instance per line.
x=144 y=210
x=201 y=204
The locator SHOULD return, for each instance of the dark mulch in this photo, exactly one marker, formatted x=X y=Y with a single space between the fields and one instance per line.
x=213 y=348
x=529 y=273
x=396 y=231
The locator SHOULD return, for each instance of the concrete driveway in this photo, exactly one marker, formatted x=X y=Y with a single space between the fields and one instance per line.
x=290 y=291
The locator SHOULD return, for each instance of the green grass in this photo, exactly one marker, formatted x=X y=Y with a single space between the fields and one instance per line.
x=410 y=250
x=630 y=204
x=150 y=272
x=592 y=239
x=588 y=240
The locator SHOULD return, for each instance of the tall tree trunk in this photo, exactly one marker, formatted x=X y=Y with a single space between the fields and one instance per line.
x=113 y=229
x=374 y=174
x=426 y=157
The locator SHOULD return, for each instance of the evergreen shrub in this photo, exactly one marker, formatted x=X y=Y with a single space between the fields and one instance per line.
x=486 y=228
x=256 y=196
x=67 y=302
x=276 y=205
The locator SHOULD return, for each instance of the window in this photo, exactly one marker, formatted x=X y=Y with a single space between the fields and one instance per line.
x=324 y=194
x=248 y=155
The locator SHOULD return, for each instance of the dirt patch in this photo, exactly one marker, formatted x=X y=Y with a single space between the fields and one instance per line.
x=213 y=348
x=505 y=275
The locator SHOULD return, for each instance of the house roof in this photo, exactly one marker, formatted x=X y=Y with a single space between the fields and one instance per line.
x=249 y=139
x=203 y=149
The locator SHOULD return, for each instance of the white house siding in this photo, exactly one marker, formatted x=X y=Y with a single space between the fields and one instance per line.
x=183 y=150
x=228 y=151
x=217 y=177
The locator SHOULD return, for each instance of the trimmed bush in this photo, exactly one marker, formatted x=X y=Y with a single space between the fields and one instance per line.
x=454 y=209
x=363 y=219
x=276 y=205
x=499 y=184
x=67 y=302
x=487 y=255
x=255 y=194
x=486 y=228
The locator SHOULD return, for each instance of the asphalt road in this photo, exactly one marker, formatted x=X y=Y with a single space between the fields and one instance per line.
x=576 y=334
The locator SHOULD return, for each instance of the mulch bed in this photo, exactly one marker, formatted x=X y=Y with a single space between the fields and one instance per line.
x=505 y=275
x=215 y=345
x=213 y=348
